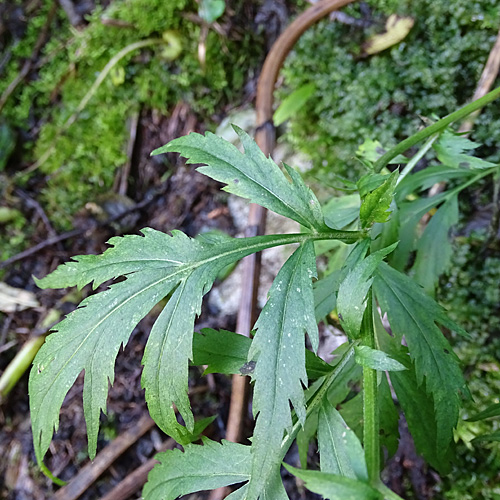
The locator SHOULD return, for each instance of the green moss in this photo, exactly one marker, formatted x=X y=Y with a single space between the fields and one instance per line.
x=86 y=156
x=431 y=72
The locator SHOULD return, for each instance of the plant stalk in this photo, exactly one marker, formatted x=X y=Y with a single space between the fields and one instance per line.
x=435 y=128
x=370 y=400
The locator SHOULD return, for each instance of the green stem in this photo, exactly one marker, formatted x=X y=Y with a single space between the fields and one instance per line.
x=318 y=396
x=370 y=401
x=435 y=128
x=416 y=158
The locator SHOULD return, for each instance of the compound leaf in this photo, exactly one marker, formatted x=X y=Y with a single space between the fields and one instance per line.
x=89 y=338
x=206 y=467
x=412 y=313
x=279 y=351
x=250 y=175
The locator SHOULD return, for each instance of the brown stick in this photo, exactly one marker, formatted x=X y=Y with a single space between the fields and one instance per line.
x=90 y=472
x=136 y=480
x=265 y=138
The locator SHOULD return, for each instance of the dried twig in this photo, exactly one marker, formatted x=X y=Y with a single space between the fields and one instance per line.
x=136 y=479
x=90 y=472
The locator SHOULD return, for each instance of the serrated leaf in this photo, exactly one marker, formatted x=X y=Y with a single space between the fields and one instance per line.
x=376 y=204
x=293 y=103
x=451 y=149
x=279 y=350
x=420 y=414
x=206 y=467
x=414 y=314
x=340 y=451
x=250 y=175
x=375 y=359
x=491 y=411
x=351 y=301
x=89 y=338
x=333 y=487
x=434 y=250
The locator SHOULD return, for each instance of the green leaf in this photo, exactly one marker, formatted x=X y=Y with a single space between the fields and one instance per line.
x=369 y=182
x=426 y=178
x=375 y=359
x=89 y=338
x=494 y=436
x=389 y=418
x=375 y=205
x=279 y=350
x=340 y=451
x=333 y=487
x=491 y=411
x=306 y=435
x=420 y=414
x=434 y=250
x=222 y=351
x=206 y=467
x=251 y=175
x=325 y=294
x=451 y=149
x=413 y=314
x=211 y=10
x=341 y=211
x=351 y=301
x=293 y=103
x=227 y=352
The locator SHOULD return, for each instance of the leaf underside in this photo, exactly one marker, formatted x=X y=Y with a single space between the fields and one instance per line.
x=279 y=351
x=155 y=266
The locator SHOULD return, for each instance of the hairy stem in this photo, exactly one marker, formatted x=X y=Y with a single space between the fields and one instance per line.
x=435 y=128
x=370 y=400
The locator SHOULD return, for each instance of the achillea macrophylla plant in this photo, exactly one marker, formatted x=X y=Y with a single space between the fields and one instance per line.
x=379 y=227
